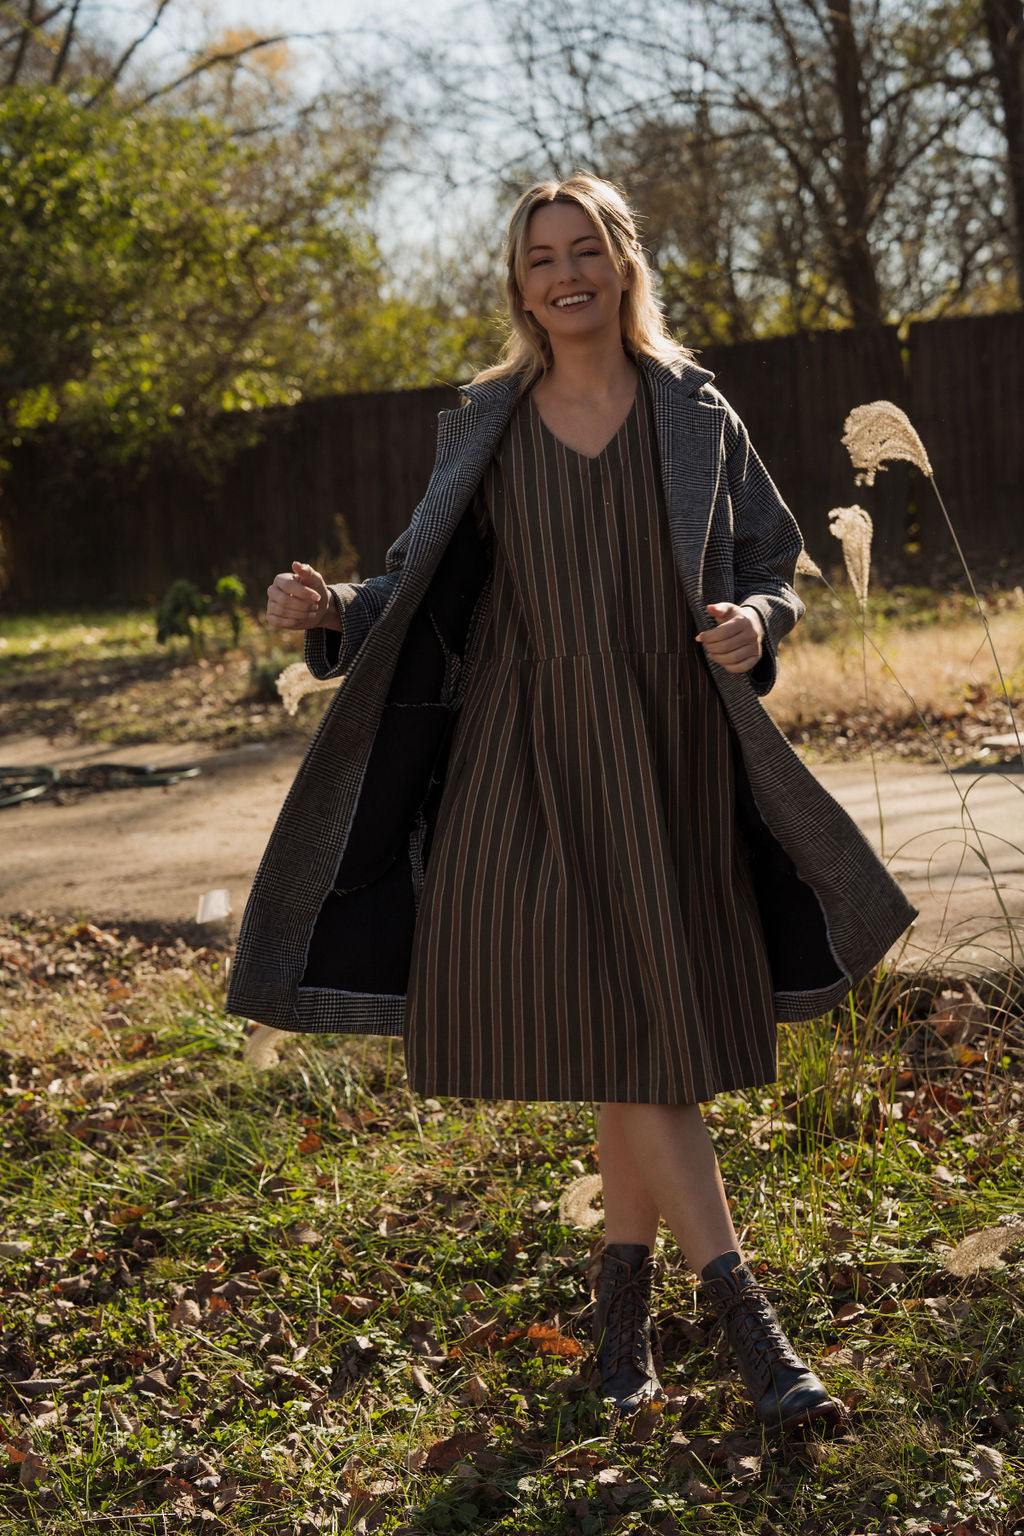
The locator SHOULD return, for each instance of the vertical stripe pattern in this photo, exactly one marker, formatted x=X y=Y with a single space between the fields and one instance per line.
x=587 y=927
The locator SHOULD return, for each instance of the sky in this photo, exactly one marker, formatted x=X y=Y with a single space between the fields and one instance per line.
x=417 y=206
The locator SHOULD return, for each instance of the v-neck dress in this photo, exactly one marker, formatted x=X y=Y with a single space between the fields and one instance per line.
x=587 y=928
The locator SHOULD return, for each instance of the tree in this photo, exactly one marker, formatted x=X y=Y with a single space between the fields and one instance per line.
x=833 y=158
x=174 y=247
x=1004 y=27
x=150 y=277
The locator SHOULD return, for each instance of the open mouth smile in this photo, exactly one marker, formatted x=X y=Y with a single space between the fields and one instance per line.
x=571 y=300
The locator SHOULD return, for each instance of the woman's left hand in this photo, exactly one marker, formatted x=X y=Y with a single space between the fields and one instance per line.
x=736 y=640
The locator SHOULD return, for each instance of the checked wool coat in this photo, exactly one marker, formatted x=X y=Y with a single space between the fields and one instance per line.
x=326 y=937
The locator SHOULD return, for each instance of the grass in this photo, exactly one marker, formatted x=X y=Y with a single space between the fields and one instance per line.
x=932 y=643
x=103 y=677
x=302 y=1300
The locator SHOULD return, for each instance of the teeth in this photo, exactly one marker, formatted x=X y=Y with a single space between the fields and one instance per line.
x=573 y=298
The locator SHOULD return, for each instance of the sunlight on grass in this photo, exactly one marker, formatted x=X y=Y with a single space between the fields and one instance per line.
x=946 y=666
x=300 y=1299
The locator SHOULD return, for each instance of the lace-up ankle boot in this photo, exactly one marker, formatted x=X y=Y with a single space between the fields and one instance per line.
x=620 y=1363
x=784 y=1390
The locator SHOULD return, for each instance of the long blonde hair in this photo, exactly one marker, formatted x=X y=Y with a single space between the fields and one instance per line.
x=527 y=350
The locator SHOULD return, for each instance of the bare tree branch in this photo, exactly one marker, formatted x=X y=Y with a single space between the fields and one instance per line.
x=65 y=42
x=225 y=56
x=29 y=28
x=122 y=63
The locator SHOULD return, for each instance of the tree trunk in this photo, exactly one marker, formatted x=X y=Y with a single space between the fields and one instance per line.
x=854 y=258
x=1004 y=23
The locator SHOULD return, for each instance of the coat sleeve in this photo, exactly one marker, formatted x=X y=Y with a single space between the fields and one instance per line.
x=766 y=545
x=330 y=652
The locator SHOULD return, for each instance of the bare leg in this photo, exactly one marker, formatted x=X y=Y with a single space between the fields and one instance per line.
x=630 y=1215
x=663 y=1152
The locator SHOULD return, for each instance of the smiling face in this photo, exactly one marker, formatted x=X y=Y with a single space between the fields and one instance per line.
x=570 y=285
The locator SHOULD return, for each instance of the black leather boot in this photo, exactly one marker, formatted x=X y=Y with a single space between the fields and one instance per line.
x=784 y=1390
x=620 y=1365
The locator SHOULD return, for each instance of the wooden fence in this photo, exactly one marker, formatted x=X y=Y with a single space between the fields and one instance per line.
x=336 y=479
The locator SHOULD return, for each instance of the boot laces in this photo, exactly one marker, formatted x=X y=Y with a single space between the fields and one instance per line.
x=621 y=1341
x=757 y=1325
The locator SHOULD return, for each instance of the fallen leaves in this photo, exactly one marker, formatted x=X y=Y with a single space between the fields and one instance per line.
x=221 y=1294
x=552 y=1341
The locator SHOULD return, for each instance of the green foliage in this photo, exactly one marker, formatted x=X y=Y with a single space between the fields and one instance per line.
x=305 y=1295
x=182 y=613
x=184 y=608
x=154 y=273
x=264 y=670
x=229 y=598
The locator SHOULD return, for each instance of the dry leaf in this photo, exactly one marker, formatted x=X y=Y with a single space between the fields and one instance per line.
x=186 y=1314
x=551 y=1341
x=988 y=1463
x=421 y=1381
x=352 y=1306
x=301 y=1235
x=124 y=1215
x=444 y=1454
x=33 y=1469
x=697 y=1492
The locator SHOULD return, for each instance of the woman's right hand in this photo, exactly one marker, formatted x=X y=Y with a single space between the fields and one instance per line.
x=298 y=599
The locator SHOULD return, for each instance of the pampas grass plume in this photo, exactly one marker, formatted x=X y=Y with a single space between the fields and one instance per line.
x=873 y=434
x=296 y=681
x=576 y=1206
x=981 y=1250
x=853 y=528
x=805 y=566
x=261 y=1048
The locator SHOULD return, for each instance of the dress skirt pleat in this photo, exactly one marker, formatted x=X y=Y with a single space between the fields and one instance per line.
x=587 y=928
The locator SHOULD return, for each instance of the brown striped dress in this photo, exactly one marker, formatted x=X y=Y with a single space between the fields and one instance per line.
x=587 y=928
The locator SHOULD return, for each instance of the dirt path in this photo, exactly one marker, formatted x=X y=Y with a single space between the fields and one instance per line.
x=146 y=855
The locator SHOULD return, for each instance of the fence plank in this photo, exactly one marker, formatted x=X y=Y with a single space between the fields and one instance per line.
x=794 y=393
x=76 y=532
x=967 y=403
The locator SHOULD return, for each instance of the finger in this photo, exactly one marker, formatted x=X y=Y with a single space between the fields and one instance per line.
x=726 y=635
x=289 y=612
x=308 y=575
x=732 y=646
x=291 y=586
x=728 y=628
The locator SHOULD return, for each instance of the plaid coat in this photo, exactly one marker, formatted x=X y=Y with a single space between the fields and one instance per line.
x=326 y=937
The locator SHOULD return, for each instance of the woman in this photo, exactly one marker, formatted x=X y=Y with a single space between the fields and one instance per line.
x=546 y=830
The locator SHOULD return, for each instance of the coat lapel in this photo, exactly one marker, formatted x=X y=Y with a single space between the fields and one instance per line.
x=467 y=438
x=689 y=431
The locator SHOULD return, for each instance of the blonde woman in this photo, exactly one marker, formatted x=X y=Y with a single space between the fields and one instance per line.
x=546 y=831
